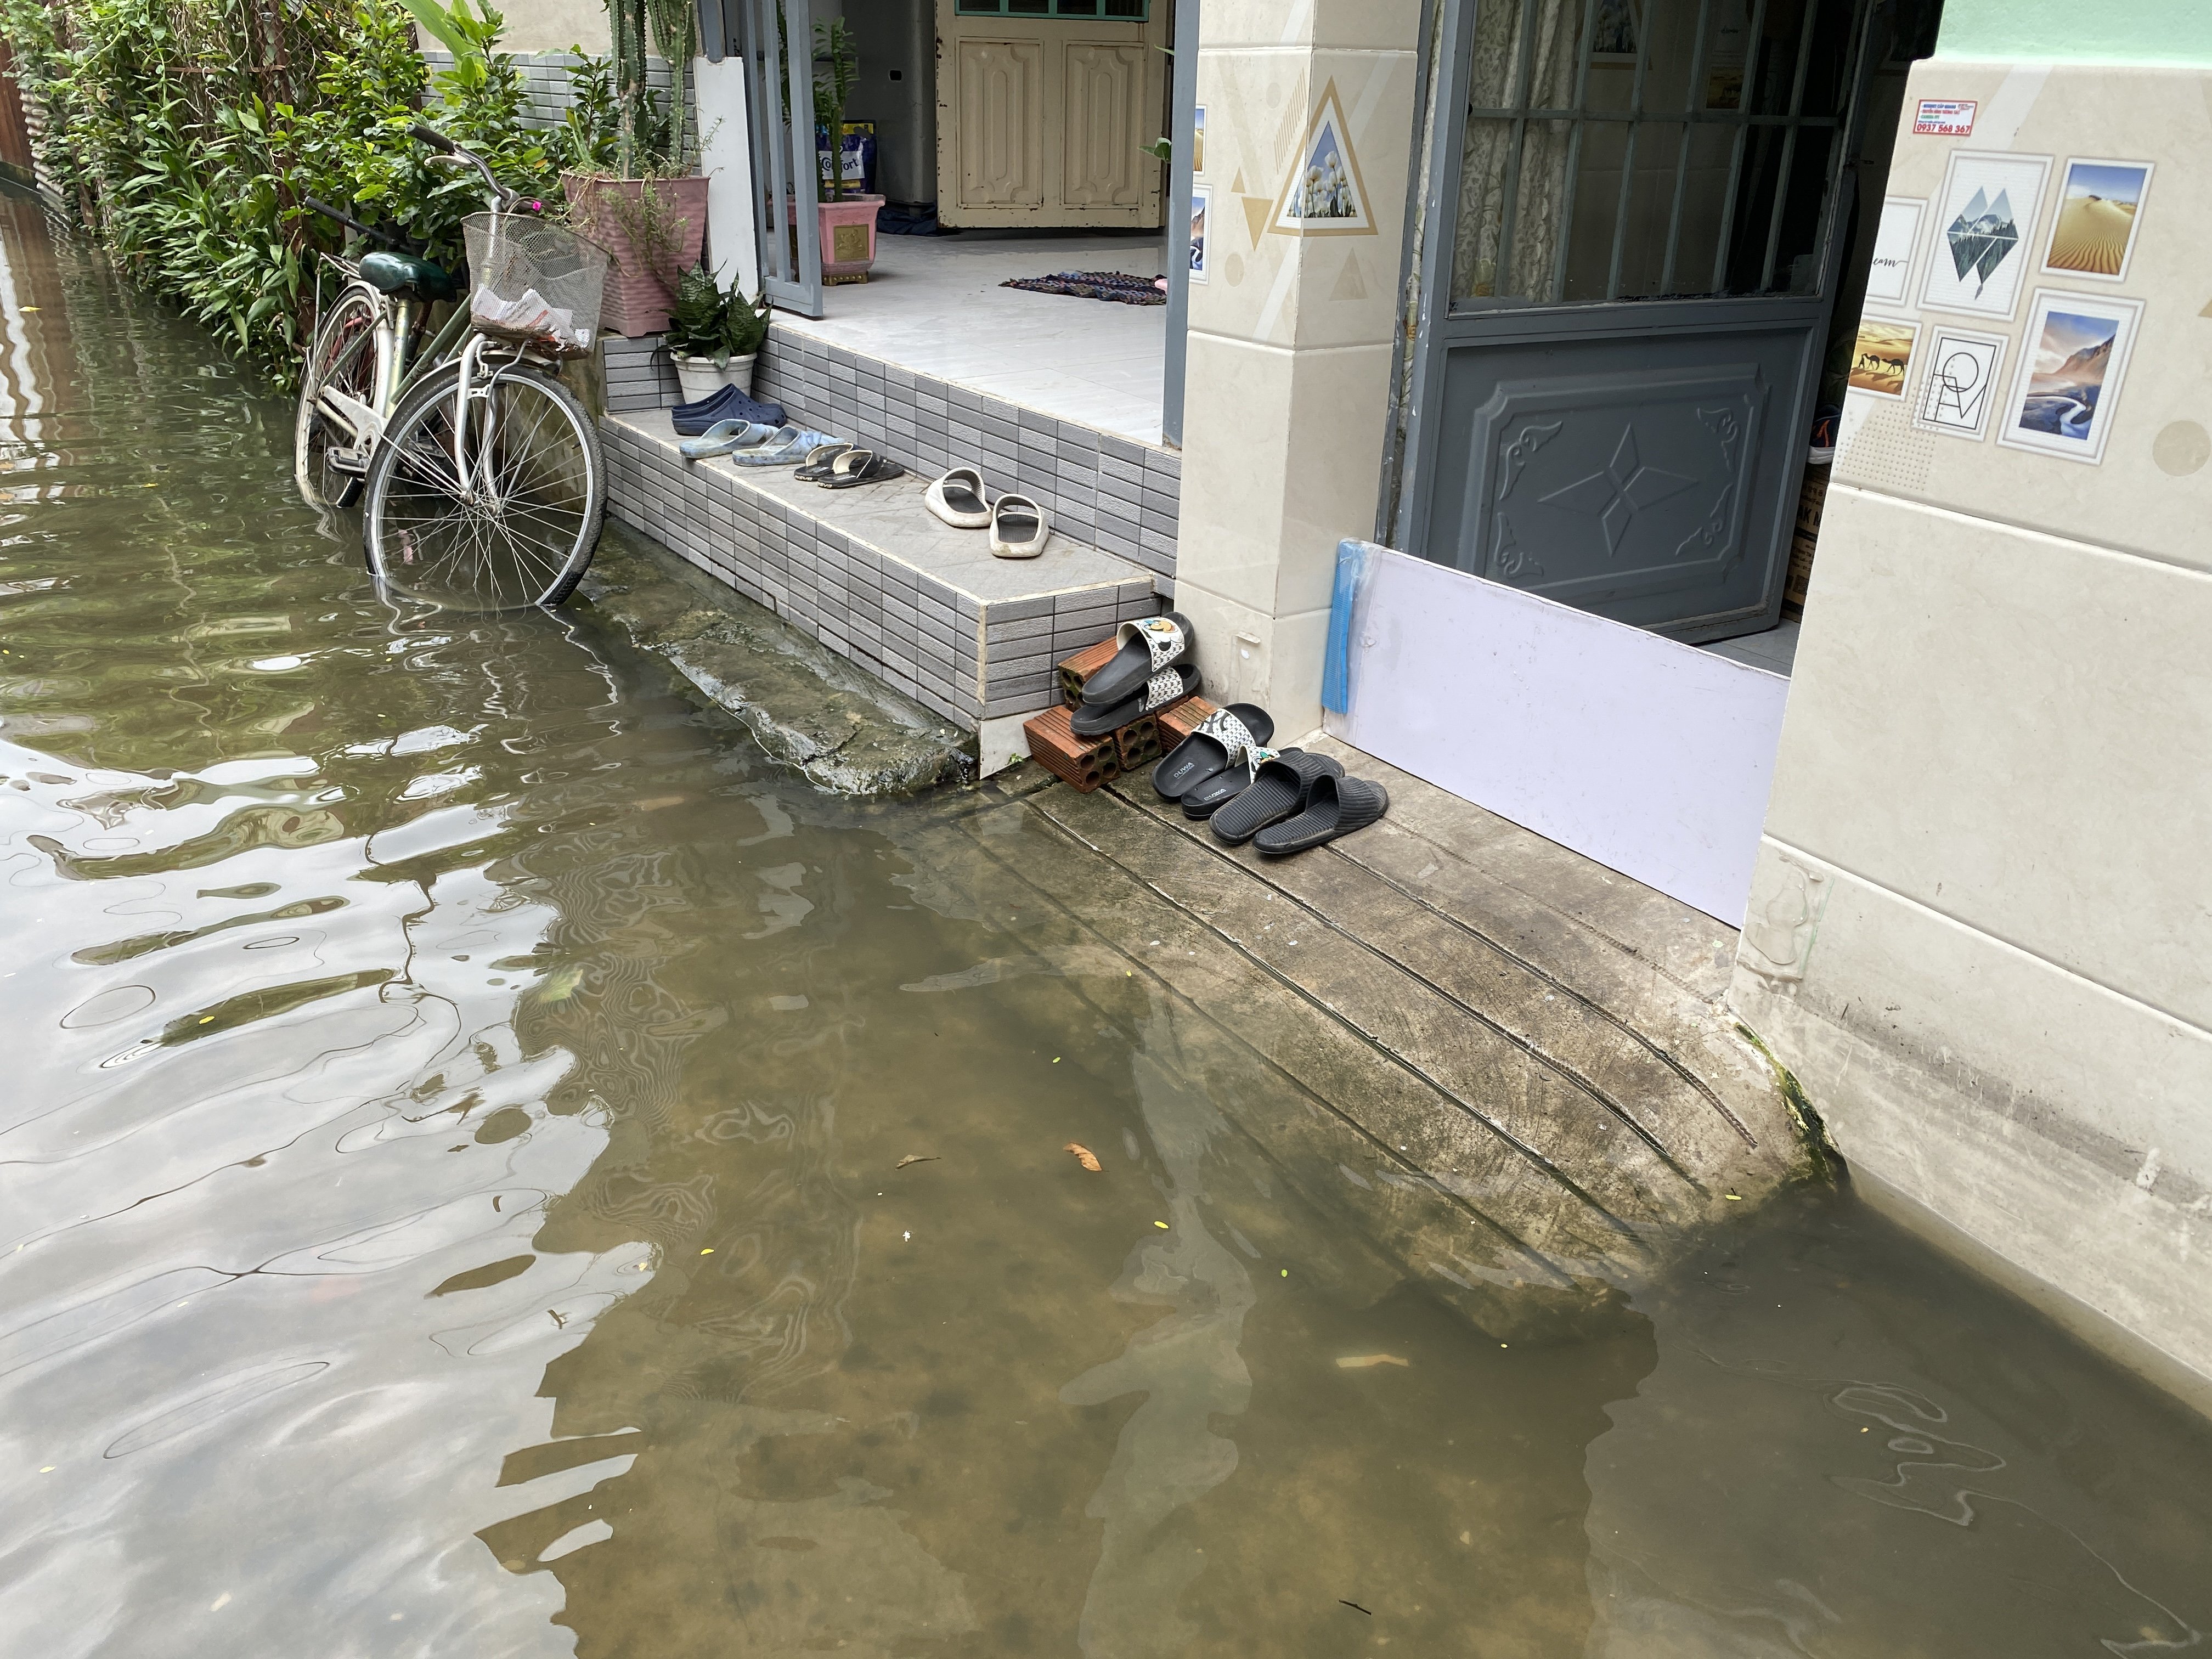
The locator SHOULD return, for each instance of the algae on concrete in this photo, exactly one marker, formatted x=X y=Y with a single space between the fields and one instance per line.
x=803 y=704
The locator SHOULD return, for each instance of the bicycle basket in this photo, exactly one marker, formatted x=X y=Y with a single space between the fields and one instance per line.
x=534 y=283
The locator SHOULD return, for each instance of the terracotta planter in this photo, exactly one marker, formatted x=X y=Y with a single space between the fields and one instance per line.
x=638 y=296
x=849 y=238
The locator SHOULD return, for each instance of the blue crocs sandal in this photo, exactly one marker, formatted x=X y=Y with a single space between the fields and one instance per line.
x=727 y=404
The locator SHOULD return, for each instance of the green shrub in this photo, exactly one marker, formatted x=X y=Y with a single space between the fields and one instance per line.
x=187 y=134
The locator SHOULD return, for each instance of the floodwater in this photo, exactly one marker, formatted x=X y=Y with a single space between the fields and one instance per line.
x=450 y=1202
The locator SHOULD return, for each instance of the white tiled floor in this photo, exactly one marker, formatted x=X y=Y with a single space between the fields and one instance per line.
x=1776 y=649
x=933 y=305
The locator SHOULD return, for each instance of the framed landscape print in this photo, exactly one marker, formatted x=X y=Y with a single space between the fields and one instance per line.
x=2071 y=362
x=1881 y=357
x=2100 y=211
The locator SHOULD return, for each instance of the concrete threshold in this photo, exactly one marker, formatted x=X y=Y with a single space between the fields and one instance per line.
x=804 y=705
x=1514 y=1063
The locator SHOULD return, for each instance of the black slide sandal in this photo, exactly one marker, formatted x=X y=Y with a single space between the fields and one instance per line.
x=1280 y=789
x=1335 y=806
x=1203 y=800
x=1221 y=742
x=1147 y=647
x=866 y=468
x=1161 y=691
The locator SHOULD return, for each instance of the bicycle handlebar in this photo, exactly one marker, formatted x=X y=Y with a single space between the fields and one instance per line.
x=350 y=222
x=423 y=133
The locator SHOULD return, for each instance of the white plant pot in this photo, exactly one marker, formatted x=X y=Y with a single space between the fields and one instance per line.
x=697 y=376
x=738 y=373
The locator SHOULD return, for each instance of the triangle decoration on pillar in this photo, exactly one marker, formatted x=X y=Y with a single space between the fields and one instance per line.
x=1351 y=281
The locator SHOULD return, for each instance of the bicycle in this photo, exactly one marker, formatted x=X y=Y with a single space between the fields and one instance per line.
x=479 y=473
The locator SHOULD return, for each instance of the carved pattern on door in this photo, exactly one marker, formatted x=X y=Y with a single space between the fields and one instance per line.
x=1001 y=86
x=1104 y=105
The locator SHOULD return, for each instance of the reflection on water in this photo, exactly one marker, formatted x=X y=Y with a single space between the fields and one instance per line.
x=451 y=1200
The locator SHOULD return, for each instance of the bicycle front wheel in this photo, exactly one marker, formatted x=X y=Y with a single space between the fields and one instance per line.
x=505 y=518
x=340 y=382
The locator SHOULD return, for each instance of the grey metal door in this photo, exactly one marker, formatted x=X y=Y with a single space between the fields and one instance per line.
x=1627 y=281
x=779 y=49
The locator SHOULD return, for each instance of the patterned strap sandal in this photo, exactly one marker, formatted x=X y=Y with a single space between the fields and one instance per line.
x=1146 y=648
x=1161 y=691
x=1335 y=806
x=1280 y=789
x=1223 y=740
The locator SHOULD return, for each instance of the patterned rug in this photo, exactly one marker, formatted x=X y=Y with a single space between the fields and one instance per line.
x=1115 y=285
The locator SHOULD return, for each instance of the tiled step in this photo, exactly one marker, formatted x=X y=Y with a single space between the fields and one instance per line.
x=1121 y=496
x=871 y=575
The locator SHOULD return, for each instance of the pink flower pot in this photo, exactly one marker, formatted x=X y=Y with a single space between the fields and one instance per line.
x=640 y=285
x=849 y=238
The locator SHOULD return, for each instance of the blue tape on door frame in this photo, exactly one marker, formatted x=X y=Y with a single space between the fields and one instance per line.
x=1336 y=666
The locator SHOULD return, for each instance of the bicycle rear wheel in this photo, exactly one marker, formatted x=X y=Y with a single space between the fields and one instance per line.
x=523 y=529
x=342 y=361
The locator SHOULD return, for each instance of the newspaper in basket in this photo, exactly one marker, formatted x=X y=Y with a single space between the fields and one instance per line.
x=534 y=282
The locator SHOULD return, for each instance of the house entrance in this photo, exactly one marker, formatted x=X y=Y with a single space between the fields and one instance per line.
x=1639 y=243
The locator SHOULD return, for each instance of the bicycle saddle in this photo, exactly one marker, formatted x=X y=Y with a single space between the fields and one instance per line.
x=404 y=273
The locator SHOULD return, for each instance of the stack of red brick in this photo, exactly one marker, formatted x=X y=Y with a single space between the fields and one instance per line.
x=1087 y=763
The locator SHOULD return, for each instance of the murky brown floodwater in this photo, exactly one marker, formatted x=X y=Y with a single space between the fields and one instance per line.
x=448 y=1203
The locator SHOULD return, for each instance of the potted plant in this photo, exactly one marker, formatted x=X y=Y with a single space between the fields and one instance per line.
x=713 y=337
x=848 y=222
x=650 y=211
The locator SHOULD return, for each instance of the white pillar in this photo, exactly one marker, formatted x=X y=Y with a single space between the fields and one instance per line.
x=1289 y=365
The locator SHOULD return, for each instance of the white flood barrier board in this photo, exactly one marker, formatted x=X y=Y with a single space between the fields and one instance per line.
x=1651 y=756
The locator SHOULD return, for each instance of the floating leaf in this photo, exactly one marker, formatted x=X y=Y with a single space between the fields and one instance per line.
x=916 y=1158
x=1361 y=1362
x=1084 y=1156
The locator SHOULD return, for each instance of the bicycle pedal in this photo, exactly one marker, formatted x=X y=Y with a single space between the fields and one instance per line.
x=354 y=463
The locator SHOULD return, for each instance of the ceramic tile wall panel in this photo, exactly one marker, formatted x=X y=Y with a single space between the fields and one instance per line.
x=2005 y=727
x=2152 y=492
x=1289 y=474
x=1337 y=282
x=637 y=374
x=546 y=87
x=1320 y=23
x=971 y=641
x=1117 y=494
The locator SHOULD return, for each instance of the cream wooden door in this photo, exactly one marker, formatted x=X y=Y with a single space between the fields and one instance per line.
x=1044 y=119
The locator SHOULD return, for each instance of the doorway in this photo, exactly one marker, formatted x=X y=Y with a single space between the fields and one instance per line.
x=1631 y=274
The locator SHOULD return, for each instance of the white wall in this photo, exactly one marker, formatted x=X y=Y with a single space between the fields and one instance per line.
x=1982 y=918
x=555 y=26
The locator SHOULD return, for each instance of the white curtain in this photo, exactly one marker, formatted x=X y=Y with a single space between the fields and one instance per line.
x=1554 y=27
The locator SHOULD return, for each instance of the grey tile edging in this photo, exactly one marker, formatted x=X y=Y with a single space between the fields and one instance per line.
x=1118 y=496
x=967 y=659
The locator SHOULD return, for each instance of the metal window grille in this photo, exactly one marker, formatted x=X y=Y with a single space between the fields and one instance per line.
x=1647 y=155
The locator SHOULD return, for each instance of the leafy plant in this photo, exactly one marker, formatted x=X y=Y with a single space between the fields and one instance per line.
x=590 y=128
x=653 y=136
x=707 y=322
x=833 y=90
x=187 y=135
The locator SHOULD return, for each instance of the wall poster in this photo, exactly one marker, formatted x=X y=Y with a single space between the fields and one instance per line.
x=1201 y=209
x=2071 y=362
x=1984 y=220
x=2100 y=211
x=1881 y=360
x=1894 y=240
x=1958 y=382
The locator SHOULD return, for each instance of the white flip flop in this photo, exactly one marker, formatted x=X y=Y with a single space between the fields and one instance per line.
x=958 y=498
x=1019 y=528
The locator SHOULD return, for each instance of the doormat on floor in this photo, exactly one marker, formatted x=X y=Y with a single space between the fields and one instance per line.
x=1116 y=285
